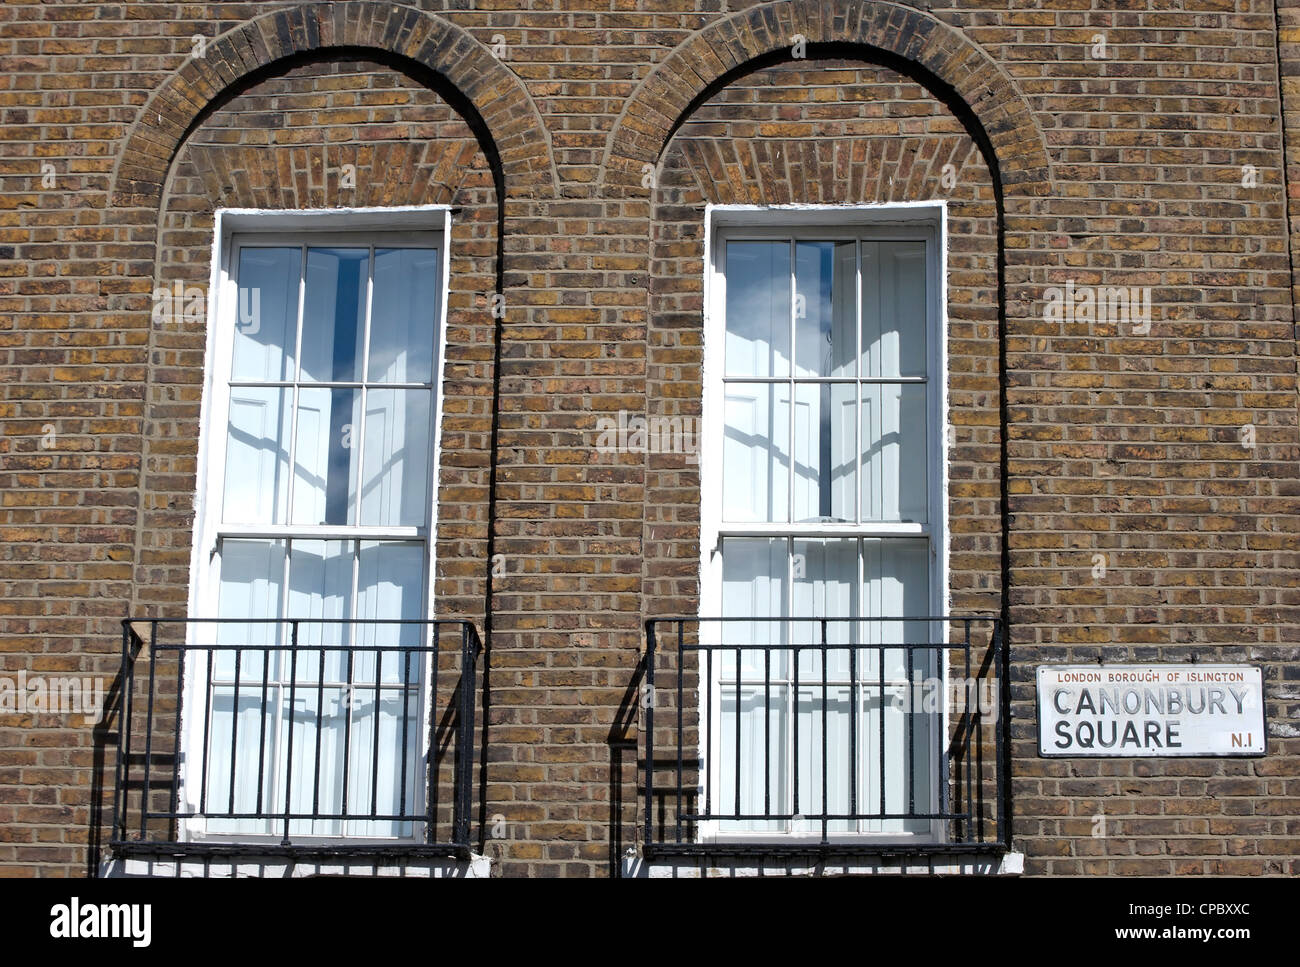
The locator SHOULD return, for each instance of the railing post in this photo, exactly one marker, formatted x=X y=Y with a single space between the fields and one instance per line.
x=1001 y=662
x=123 y=735
x=148 y=727
x=293 y=699
x=825 y=669
x=650 y=729
x=465 y=733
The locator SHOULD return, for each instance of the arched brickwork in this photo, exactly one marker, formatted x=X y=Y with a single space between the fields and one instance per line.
x=497 y=95
x=938 y=56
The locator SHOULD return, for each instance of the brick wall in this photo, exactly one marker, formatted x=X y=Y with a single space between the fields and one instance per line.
x=1114 y=166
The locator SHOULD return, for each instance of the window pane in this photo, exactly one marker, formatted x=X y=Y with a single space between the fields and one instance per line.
x=825 y=575
x=893 y=309
x=824 y=728
x=257 y=456
x=895 y=484
x=334 y=313
x=763 y=718
x=825 y=291
x=390 y=583
x=252 y=577
x=754 y=585
x=320 y=589
x=266 y=324
x=324 y=484
x=395 y=472
x=316 y=783
x=884 y=782
x=378 y=786
x=756 y=453
x=403 y=315
x=237 y=725
x=758 y=309
x=897 y=585
x=826 y=452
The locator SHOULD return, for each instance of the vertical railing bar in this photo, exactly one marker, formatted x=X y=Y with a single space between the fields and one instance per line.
x=880 y=671
x=708 y=733
x=320 y=726
x=970 y=725
x=347 y=727
x=465 y=729
x=794 y=704
x=1002 y=677
x=128 y=725
x=148 y=726
x=123 y=733
x=207 y=722
x=738 y=661
x=293 y=698
x=431 y=804
x=176 y=737
x=406 y=724
x=650 y=728
x=261 y=723
x=826 y=738
x=767 y=731
x=681 y=737
x=234 y=731
x=853 y=728
x=911 y=734
x=374 y=759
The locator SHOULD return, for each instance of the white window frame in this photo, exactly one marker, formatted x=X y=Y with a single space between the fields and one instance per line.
x=905 y=220
x=274 y=226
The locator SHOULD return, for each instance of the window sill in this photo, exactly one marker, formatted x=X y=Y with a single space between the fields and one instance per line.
x=251 y=864
x=984 y=861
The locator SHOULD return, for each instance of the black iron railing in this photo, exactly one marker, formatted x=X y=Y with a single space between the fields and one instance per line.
x=295 y=737
x=825 y=736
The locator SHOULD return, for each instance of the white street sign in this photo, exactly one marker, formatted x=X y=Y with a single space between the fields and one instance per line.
x=1150 y=711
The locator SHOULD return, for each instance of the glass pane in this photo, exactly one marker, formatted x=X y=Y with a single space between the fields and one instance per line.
x=385 y=785
x=390 y=584
x=403 y=316
x=756 y=453
x=758 y=308
x=334 y=313
x=826 y=452
x=266 y=324
x=319 y=718
x=257 y=456
x=825 y=292
x=762 y=717
x=395 y=471
x=754 y=585
x=825 y=574
x=239 y=724
x=324 y=484
x=320 y=593
x=883 y=785
x=824 y=728
x=252 y=578
x=895 y=477
x=893 y=309
x=896 y=576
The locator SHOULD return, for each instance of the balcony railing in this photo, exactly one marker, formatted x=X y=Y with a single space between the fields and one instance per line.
x=295 y=737
x=798 y=736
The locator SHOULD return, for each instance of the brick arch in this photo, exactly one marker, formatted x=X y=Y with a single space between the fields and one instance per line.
x=502 y=103
x=930 y=51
